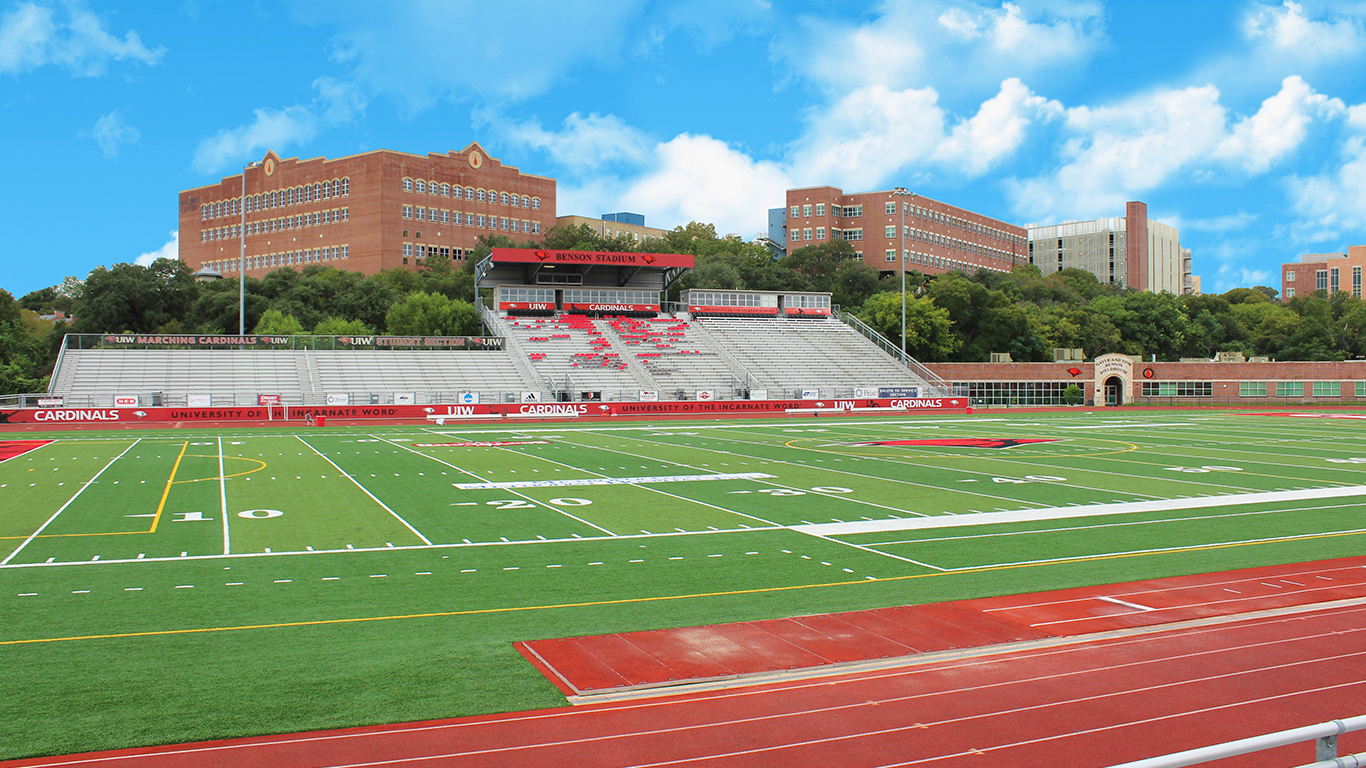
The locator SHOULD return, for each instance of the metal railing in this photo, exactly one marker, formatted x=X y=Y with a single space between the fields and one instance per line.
x=936 y=385
x=1324 y=736
x=282 y=343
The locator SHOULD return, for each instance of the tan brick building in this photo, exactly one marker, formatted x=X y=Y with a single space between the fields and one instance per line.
x=937 y=237
x=1331 y=272
x=364 y=213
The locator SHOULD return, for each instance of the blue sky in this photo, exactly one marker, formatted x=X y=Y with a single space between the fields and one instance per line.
x=1244 y=124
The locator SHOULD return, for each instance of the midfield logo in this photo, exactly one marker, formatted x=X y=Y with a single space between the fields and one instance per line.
x=963 y=442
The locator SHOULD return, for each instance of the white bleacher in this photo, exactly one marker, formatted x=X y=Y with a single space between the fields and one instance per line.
x=92 y=377
x=787 y=355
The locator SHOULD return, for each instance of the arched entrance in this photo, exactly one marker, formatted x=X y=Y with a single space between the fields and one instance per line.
x=1114 y=391
x=1114 y=380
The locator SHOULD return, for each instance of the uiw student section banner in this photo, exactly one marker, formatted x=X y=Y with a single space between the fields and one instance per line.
x=95 y=416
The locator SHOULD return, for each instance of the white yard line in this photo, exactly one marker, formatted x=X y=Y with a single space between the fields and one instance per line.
x=512 y=491
x=68 y=503
x=1091 y=510
x=367 y=492
x=223 y=499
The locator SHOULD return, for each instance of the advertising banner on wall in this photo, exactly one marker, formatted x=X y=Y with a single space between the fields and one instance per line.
x=198 y=401
x=338 y=399
x=898 y=391
x=125 y=401
x=405 y=398
x=527 y=409
x=705 y=395
x=261 y=400
x=467 y=398
x=531 y=397
x=810 y=394
x=649 y=396
x=865 y=392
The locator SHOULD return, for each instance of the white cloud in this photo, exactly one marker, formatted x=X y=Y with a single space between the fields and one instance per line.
x=997 y=130
x=868 y=135
x=692 y=178
x=1278 y=127
x=171 y=250
x=272 y=129
x=1231 y=222
x=1117 y=153
x=110 y=132
x=1333 y=201
x=915 y=44
x=584 y=142
x=68 y=35
x=1287 y=31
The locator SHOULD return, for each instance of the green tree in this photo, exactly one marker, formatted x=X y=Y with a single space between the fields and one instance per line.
x=929 y=335
x=432 y=314
x=276 y=323
x=129 y=297
x=336 y=326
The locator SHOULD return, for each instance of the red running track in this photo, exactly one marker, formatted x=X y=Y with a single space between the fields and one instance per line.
x=1083 y=704
x=587 y=666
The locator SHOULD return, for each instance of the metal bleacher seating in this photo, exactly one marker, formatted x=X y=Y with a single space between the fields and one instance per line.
x=571 y=353
x=790 y=355
x=92 y=377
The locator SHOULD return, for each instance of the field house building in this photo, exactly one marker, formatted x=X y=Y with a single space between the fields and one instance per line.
x=1331 y=272
x=364 y=213
x=937 y=237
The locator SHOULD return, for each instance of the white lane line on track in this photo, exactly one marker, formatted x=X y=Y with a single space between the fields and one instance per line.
x=1091 y=510
x=1126 y=603
x=1140 y=639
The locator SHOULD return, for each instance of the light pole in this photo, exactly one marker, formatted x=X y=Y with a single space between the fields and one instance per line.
x=242 y=257
x=903 y=193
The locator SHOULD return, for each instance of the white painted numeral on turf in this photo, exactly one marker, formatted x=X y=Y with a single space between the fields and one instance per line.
x=1006 y=480
x=201 y=443
x=782 y=491
x=832 y=489
x=1217 y=468
x=1046 y=478
x=511 y=504
x=1193 y=470
x=260 y=514
x=1353 y=460
x=571 y=502
x=191 y=517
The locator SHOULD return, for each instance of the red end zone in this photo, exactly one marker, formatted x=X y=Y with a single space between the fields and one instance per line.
x=11 y=448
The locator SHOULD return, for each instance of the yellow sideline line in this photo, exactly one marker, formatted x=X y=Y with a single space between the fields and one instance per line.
x=633 y=600
x=185 y=446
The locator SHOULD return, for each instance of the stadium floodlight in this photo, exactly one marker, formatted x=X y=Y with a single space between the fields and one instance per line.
x=242 y=258
x=903 y=193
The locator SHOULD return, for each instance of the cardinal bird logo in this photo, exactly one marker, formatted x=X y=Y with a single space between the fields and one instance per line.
x=962 y=442
x=648 y=259
x=1074 y=371
x=542 y=255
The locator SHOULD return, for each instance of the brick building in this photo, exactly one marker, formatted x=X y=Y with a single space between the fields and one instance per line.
x=1125 y=380
x=1331 y=272
x=937 y=237
x=363 y=213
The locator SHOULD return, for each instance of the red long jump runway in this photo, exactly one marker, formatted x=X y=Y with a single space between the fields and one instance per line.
x=582 y=667
x=1084 y=704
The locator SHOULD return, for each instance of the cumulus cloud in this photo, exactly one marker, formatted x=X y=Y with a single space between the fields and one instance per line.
x=34 y=35
x=111 y=132
x=1286 y=30
x=913 y=44
x=997 y=130
x=1333 y=201
x=583 y=143
x=171 y=250
x=1116 y=153
x=272 y=128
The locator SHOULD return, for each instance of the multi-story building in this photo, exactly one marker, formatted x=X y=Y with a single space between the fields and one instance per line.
x=933 y=237
x=1130 y=250
x=364 y=213
x=631 y=225
x=1331 y=272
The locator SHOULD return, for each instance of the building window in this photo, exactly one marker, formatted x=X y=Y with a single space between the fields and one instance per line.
x=535 y=227
x=481 y=195
x=503 y=198
x=515 y=201
x=1321 y=280
x=503 y=224
x=1289 y=389
x=806 y=210
x=407 y=249
x=1290 y=293
x=516 y=225
x=853 y=234
x=421 y=186
x=481 y=220
x=889 y=208
x=1333 y=282
x=1178 y=389
x=526 y=201
x=891 y=254
x=407 y=185
x=889 y=232
x=820 y=233
x=445 y=190
x=820 y=209
x=796 y=211
x=1356 y=282
x=1361 y=388
x=407 y=211
x=445 y=216
x=346 y=187
x=806 y=233
x=1327 y=389
x=535 y=203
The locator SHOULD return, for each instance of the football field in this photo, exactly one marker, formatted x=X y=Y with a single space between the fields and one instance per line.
x=174 y=585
